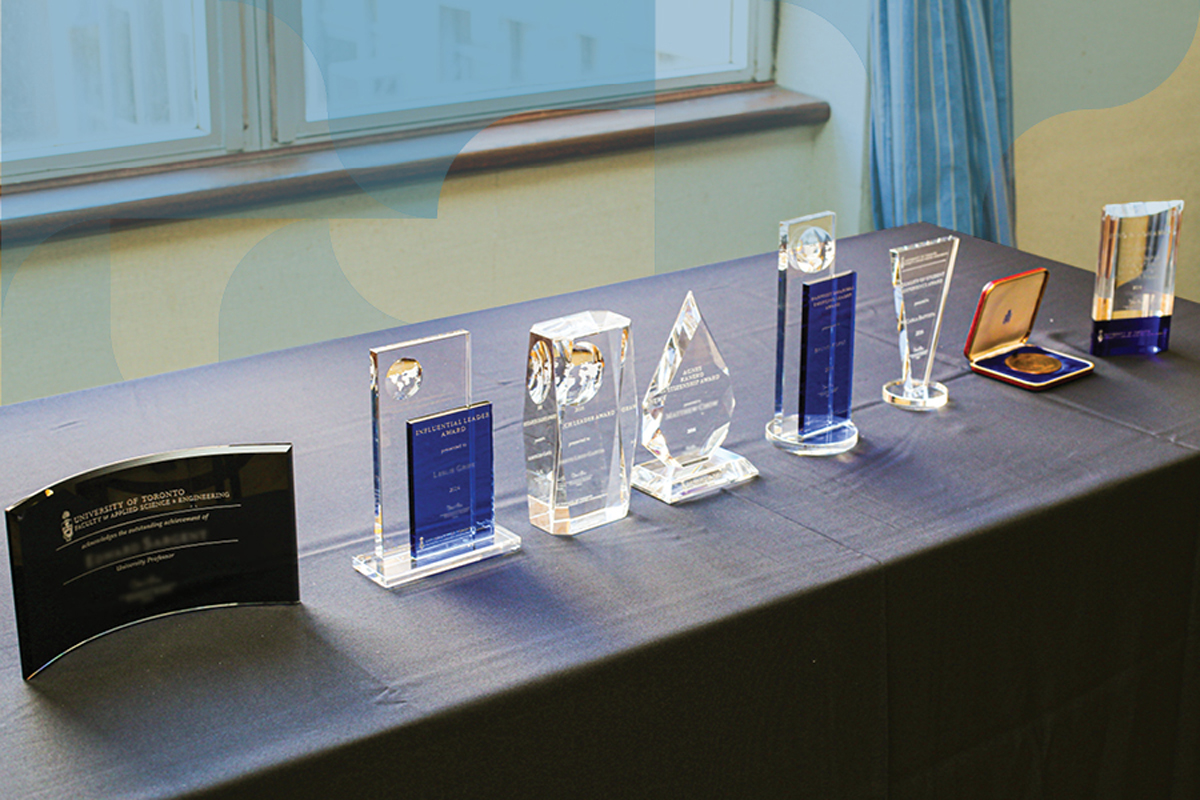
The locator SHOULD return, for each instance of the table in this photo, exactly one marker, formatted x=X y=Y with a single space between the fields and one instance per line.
x=998 y=599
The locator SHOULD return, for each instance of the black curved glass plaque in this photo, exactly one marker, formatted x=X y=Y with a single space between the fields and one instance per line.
x=156 y=535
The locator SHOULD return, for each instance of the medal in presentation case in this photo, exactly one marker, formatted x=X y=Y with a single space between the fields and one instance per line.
x=998 y=343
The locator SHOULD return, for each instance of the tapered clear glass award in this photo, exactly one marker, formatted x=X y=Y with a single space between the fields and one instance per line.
x=921 y=280
x=434 y=487
x=814 y=345
x=685 y=417
x=580 y=420
x=1135 y=278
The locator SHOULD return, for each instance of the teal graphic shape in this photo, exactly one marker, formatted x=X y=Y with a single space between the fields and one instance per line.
x=1072 y=56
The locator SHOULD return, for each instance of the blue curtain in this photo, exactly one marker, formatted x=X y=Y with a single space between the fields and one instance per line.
x=941 y=116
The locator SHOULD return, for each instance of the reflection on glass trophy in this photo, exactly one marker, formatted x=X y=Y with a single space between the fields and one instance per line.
x=1135 y=278
x=579 y=419
x=921 y=279
x=814 y=347
x=685 y=417
x=434 y=488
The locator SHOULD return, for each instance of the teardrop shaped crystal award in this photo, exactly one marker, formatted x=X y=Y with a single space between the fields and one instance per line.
x=1135 y=278
x=921 y=280
x=685 y=417
x=434 y=487
x=814 y=344
x=579 y=421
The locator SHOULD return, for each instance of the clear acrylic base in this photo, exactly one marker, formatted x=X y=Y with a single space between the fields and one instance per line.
x=559 y=521
x=932 y=398
x=392 y=571
x=679 y=484
x=837 y=438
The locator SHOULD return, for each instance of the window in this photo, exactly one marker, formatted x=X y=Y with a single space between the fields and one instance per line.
x=101 y=84
x=87 y=84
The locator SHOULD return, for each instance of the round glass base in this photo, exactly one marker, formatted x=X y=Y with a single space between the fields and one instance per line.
x=932 y=398
x=831 y=441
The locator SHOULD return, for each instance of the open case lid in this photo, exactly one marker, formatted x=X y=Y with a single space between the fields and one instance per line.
x=1005 y=314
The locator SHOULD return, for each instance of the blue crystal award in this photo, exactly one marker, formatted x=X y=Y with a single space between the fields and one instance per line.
x=814 y=355
x=450 y=490
x=1135 y=278
x=434 y=488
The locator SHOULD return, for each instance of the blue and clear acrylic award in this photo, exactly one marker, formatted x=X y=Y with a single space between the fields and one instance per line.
x=814 y=356
x=434 y=485
x=1135 y=278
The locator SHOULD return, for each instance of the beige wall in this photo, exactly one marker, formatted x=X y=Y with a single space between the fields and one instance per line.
x=1069 y=166
x=499 y=237
x=179 y=294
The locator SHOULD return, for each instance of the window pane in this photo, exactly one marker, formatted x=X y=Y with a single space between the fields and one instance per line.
x=373 y=56
x=89 y=74
x=694 y=36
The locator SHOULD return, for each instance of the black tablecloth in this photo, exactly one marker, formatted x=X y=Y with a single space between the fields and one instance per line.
x=997 y=599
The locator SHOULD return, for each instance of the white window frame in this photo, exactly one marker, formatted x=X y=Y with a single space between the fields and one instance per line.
x=753 y=39
x=227 y=129
x=256 y=88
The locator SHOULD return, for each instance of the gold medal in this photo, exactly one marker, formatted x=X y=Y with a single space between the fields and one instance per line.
x=1033 y=363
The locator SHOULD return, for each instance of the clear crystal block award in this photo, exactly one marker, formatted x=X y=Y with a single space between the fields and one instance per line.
x=921 y=280
x=1135 y=278
x=434 y=489
x=814 y=345
x=580 y=414
x=685 y=417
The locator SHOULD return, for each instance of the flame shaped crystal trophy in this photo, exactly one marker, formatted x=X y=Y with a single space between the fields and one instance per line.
x=434 y=489
x=1135 y=278
x=579 y=421
x=814 y=346
x=921 y=279
x=685 y=417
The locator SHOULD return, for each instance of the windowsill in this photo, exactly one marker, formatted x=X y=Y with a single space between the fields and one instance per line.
x=35 y=210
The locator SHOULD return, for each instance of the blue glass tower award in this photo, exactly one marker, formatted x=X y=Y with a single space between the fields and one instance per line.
x=827 y=351
x=433 y=463
x=814 y=356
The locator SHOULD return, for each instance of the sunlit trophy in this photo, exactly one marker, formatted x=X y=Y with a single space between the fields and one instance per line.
x=814 y=345
x=1135 y=278
x=921 y=279
x=579 y=421
x=434 y=485
x=685 y=417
